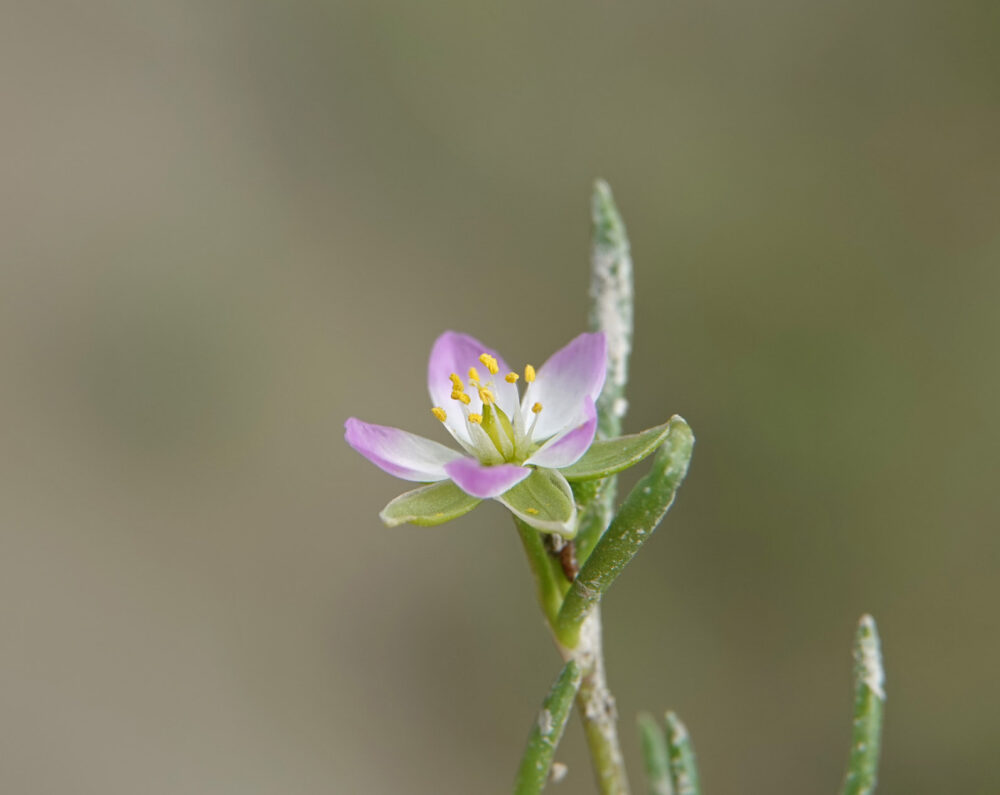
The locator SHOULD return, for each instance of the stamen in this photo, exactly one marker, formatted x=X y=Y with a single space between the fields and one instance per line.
x=490 y=362
x=510 y=378
x=456 y=395
x=486 y=396
x=440 y=413
x=536 y=408
x=477 y=419
x=473 y=374
x=529 y=373
x=456 y=383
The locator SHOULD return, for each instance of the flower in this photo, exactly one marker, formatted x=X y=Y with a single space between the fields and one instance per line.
x=513 y=444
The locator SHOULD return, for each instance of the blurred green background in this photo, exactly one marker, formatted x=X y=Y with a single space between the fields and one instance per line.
x=225 y=227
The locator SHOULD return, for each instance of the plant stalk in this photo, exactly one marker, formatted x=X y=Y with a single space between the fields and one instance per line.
x=597 y=709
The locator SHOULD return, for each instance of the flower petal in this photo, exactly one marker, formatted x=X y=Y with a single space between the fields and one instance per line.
x=567 y=447
x=456 y=353
x=485 y=481
x=399 y=453
x=574 y=372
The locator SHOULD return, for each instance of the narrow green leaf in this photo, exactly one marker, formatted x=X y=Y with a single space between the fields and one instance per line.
x=429 y=505
x=656 y=756
x=638 y=517
x=869 y=703
x=609 y=456
x=545 y=501
x=611 y=310
x=611 y=307
x=547 y=731
x=683 y=768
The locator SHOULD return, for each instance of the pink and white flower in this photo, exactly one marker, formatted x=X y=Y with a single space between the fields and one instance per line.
x=506 y=436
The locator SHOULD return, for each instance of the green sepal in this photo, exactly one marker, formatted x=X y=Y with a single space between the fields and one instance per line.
x=429 y=505
x=608 y=456
x=545 y=501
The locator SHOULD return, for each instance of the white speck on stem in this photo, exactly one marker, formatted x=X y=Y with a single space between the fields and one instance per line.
x=545 y=723
x=869 y=657
x=558 y=772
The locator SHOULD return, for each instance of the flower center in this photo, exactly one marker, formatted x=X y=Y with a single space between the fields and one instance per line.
x=496 y=438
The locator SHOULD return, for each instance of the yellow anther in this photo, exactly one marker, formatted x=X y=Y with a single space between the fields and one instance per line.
x=476 y=419
x=532 y=511
x=510 y=378
x=440 y=413
x=456 y=383
x=456 y=395
x=473 y=374
x=490 y=362
x=529 y=373
x=536 y=408
x=486 y=396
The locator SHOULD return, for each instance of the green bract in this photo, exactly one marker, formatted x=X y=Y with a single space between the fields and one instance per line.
x=610 y=456
x=543 y=500
x=429 y=505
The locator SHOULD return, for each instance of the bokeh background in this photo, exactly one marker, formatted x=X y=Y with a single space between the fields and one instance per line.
x=225 y=227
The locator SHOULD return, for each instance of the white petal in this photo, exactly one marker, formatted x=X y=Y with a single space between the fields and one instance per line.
x=456 y=353
x=567 y=447
x=571 y=374
x=398 y=452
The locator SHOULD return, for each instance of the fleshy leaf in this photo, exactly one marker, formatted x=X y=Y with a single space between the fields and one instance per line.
x=683 y=767
x=869 y=703
x=544 y=501
x=656 y=756
x=429 y=505
x=609 y=456
x=547 y=731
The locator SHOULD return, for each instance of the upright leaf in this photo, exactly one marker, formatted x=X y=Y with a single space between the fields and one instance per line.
x=611 y=311
x=683 y=768
x=655 y=755
x=869 y=702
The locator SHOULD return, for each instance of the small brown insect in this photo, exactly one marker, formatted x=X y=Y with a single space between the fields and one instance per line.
x=567 y=559
x=559 y=547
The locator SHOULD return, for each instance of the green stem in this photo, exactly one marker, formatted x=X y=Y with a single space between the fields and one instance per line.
x=869 y=702
x=611 y=295
x=549 y=582
x=598 y=712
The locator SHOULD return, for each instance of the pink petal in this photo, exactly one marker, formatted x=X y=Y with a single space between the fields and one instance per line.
x=566 y=448
x=570 y=374
x=399 y=453
x=485 y=481
x=456 y=353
